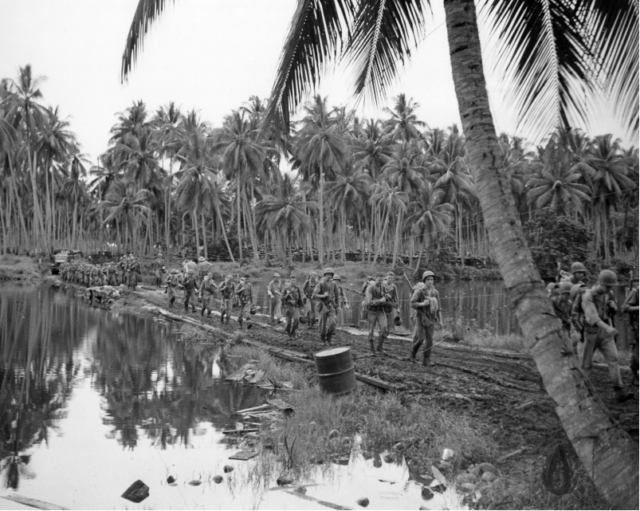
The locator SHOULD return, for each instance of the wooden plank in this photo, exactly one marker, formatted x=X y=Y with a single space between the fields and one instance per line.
x=255 y=409
x=243 y=455
x=240 y=431
x=37 y=504
x=376 y=382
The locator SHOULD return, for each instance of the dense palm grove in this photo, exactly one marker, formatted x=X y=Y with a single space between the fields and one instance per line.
x=387 y=187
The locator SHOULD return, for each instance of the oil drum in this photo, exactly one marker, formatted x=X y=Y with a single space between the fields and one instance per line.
x=336 y=373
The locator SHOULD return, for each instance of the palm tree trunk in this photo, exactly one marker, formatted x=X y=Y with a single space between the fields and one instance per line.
x=194 y=220
x=396 y=243
x=224 y=233
x=238 y=199
x=204 y=235
x=321 y=218
x=254 y=234
x=382 y=235
x=608 y=453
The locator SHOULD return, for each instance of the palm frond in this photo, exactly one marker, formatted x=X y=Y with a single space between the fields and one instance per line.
x=147 y=12
x=314 y=37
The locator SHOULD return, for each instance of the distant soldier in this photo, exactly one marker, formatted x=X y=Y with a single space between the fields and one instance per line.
x=391 y=307
x=426 y=302
x=173 y=282
x=244 y=293
x=190 y=288
x=375 y=300
x=159 y=272
x=291 y=303
x=111 y=275
x=630 y=307
x=579 y=273
x=562 y=306
x=204 y=267
x=343 y=302
x=274 y=291
x=308 y=299
x=227 y=291
x=326 y=292
x=599 y=308
x=207 y=294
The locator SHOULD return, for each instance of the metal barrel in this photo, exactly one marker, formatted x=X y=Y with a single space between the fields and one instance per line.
x=336 y=373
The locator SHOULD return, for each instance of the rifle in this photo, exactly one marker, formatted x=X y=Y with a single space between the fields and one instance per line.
x=352 y=290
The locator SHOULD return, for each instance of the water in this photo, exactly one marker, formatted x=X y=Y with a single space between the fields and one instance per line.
x=91 y=402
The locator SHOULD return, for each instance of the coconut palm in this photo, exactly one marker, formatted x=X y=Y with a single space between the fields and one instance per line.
x=74 y=190
x=404 y=123
x=557 y=188
x=285 y=213
x=126 y=205
x=429 y=216
x=322 y=150
x=242 y=156
x=371 y=148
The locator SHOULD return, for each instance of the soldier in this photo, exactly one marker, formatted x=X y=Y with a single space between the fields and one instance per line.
x=326 y=292
x=370 y=280
x=310 y=302
x=173 y=282
x=343 y=302
x=579 y=273
x=204 y=267
x=291 y=302
x=599 y=307
x=190 y=287
x=159 y=271
x=426 y=302
x=227 y=292
x=111 y=274
x=274 y=291
x=374 y=303
x=245 y=298
x=207 y=294
x=562 y=306
x=630 y=307
x=391 y=308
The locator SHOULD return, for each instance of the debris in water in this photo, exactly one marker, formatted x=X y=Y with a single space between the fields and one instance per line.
x=426 y=493
x=195 y=482
x=171 y=479
x=227 y=469
x=217 y=479
x=301 y=489
x=284 y=480
x=137 y=492
x=363 y=502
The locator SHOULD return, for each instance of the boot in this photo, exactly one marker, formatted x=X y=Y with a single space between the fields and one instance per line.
x=379 y=347
x=414 y=352
x=222 y=316
x=373 y=350
x=621 y=394
x=426 y=361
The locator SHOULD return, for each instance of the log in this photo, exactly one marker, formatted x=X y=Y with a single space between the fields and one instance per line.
x=37 y=504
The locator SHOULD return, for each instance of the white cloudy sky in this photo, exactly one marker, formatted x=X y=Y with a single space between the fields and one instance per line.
x=210 y=55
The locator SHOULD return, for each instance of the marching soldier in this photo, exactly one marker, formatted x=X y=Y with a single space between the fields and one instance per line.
x=227 y=291
x=204 y=267
x=190 y=287
x=426 y=302
x=308 y=299
x=245 y=298
x=343 y=302
x=274 y=291
x=291 y=302
x=391 y=307
x=562 y=306
x=374 y=302
x=207 y=294
x=173 y=282
x=326 y=292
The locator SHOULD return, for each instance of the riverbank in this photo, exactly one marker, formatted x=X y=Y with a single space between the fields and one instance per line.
x=22 y=269
x=497 y=392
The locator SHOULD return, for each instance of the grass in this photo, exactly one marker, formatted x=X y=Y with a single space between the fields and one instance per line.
x=20 y=268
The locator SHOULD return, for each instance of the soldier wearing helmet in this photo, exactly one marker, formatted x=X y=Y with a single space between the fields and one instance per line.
x=274 y=291
x=630 y=307
x=207 y=294
x=562 y=305
x=227 y=291
x=343 y=301
x=426 y=302
x=190 y=286
x=326 y=292
x=308 y=300
x=599 y=308
x=291 y=303
x=391 y=308
x=173 y=282
x=579 y=273
x=244 y=292
x=375 y=301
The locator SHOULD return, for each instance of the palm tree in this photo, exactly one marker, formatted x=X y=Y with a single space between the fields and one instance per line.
x=286 y=213
x=429 y=216
x=371 y=148
x=125 y=205
x=242 y=155
x=404 y=122
x=322 y=151
x=75 y=192
x=553 y=51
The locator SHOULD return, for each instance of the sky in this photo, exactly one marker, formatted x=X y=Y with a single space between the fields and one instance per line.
x=207 y=55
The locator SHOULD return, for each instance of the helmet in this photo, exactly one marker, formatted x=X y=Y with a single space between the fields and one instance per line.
x=390 y=274
x=328 y=271
x=229 y=277
x=565 y=287
x=276 y=275
x=337 y=277
x=576 y=267
x=607 y=278
x=201 y=259
x=428 y=273
x=313 y=273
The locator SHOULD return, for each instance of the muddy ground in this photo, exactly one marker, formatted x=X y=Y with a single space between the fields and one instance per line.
x=500 y=389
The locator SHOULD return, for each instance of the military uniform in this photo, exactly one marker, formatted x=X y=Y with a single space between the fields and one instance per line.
x=245 y=298
x=327 y=295
x=190 y=287
x=375 y=302
x=291 y=302
x=173 y=281
x=227 y=292
x=207 y=295
x=309 y=301
x=391 y=307
x=274 y=291
x=426 y=302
